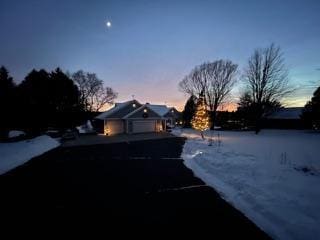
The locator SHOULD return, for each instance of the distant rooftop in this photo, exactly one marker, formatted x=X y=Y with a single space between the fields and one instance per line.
x=287 y=113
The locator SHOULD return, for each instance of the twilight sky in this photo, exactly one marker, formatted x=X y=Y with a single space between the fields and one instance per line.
x=152 y=45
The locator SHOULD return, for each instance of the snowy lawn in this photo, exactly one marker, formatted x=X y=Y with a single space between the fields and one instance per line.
x=273 y=177
x=17 y=153
x=86 y=128
x=16 y=133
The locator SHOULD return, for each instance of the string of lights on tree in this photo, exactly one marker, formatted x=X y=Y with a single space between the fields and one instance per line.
x=201 y=120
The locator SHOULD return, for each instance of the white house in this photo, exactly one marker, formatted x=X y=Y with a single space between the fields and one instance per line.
x=134 y=117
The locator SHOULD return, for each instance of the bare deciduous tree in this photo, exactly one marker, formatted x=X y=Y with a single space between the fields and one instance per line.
x=193 y=84
x=104 y=95
x=214 y=79
x=221 y=78
x=267 y=79
x=266 y=75
x=93 y=95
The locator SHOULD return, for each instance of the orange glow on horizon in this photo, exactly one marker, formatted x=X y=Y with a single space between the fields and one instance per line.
x=179 y=105
x=230 y=107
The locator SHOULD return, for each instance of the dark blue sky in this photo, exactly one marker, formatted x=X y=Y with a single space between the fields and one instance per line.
x=153 y=44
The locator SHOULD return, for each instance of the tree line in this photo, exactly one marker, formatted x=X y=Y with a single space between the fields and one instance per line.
x=265 y=80
x=50 y=99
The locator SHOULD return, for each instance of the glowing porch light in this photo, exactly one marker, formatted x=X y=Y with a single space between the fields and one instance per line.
x=145 y=110
x=106 y=131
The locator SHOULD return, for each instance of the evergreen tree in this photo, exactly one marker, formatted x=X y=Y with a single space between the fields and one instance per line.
x=246 y=110
x=49 y=100
x=64 y=99
x=6 y=81
x=189 y=110
x=249 y=111
x=311 y=112
x=201 y=118
x=7 y=102
x=34 y=94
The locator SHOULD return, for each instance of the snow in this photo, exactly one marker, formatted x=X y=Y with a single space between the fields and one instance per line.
x=86 y=128
x=15 y=133
x=18 y=153
x=272 y=177
x=116 y=108
x=159 y=109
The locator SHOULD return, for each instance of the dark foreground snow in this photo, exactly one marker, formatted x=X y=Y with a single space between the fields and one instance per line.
x=17 y=153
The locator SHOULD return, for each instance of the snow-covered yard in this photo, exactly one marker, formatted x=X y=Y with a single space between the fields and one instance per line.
x=17 y=153
x=273 y=177
x=86 y=128
x=16 y=133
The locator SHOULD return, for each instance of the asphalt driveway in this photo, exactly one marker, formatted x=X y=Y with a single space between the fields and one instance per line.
x=94 y=139
x=142 y=184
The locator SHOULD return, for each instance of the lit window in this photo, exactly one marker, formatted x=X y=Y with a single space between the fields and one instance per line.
x=145 y=110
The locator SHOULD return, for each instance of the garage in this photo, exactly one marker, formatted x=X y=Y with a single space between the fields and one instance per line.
x=114 y=127
x=143 y=126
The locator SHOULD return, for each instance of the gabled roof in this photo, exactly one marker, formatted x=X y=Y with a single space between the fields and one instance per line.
x=159 y=109
x=117 y=107
x=287 y=113
x=172 y=112
x=147 y=105
x=123 y=111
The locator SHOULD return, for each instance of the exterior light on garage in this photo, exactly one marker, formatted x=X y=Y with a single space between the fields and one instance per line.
x=145 y=110
x=172 y=111
x=106 y=131
x=134 y=105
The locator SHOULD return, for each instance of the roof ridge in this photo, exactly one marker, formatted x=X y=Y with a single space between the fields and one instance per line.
x=146 y=105
x=134 y=111
x=111 y=110
x=160 y=109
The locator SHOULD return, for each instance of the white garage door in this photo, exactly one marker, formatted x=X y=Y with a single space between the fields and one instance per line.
x=143 y=126
x=115 y=127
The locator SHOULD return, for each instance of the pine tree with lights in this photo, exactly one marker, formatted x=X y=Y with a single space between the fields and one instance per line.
x=201 y=119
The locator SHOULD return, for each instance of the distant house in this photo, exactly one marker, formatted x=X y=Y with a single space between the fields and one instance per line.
x=134 y=117
x=284 y=118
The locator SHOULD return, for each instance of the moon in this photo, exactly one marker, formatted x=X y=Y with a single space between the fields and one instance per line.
x=108 y=24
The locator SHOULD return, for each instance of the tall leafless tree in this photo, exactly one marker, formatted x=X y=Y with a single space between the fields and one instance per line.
x=213 y=79
x=93 y=95
x=194 y=83
x=266 y=75
x=267 y=79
